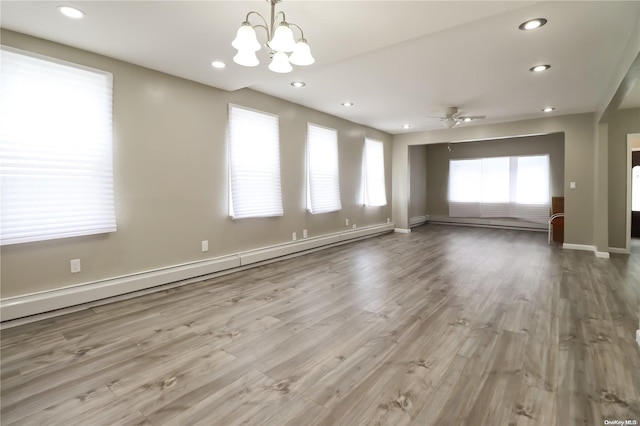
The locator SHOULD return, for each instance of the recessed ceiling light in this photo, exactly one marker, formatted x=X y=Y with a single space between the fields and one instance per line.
x=406 y=126
x=549 y=109
x=71 y=12
x=540 y=68
x=298 y=83
x=347 y=104
x=218 y=64
x=532 y=24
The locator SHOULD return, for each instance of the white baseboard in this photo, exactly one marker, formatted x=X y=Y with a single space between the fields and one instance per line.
x=583 y=247
x=36 y=303
x=594 y=249
x=618 y=250
x=402 y=230
x=417 y=221
x=12 y=308
x=262 y=254
x=488 y=223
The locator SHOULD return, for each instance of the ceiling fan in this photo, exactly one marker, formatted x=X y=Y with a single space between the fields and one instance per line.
x=451 y=117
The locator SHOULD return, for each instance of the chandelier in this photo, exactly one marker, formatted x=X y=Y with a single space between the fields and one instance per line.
x=280 y=41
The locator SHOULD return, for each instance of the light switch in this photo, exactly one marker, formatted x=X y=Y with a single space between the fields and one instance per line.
x=572 y=185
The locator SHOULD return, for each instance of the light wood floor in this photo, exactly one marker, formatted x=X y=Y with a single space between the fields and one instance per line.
x=443 y=326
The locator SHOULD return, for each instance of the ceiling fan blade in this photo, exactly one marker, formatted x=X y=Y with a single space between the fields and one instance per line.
x=476 y=117
x=435 y=116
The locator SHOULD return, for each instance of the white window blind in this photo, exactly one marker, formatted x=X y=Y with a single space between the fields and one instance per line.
x=516 y=187
x=374 y=192
x=56 y=165
x=323 y=177
x=254 y=164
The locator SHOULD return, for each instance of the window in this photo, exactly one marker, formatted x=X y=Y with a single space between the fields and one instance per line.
x=56 y=157
x=374 y=192
x=500 y=187
x=532 y=180
x=323 y=178
x=254 y=164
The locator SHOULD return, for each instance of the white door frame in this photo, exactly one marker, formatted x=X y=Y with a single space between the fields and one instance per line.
x=630 y=138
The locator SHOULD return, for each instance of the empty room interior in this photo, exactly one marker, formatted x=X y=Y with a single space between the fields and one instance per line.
x=320 y=212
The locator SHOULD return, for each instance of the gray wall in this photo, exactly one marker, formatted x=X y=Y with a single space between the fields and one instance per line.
x=417 y=181
x=438 y=157
x=171 y=179
x=621 y=123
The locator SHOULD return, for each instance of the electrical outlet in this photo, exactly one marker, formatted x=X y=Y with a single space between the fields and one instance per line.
x=347 y=222
x=75 y=266
x=354 y=226
x=205 y=245
x=304 y=233
x=294 y=236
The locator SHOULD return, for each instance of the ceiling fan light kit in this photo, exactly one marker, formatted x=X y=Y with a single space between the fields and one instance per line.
x=449 y=122
x=280 y=41
x=451 y=118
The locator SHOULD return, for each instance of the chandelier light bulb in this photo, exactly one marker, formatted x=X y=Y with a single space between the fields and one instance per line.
x=283 y=40
x=280 y=63
x=246 y=38
x=301 y=54
x=246 y=58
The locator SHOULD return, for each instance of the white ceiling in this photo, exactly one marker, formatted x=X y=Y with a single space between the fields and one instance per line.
x=632 y=100
x=399 y=61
